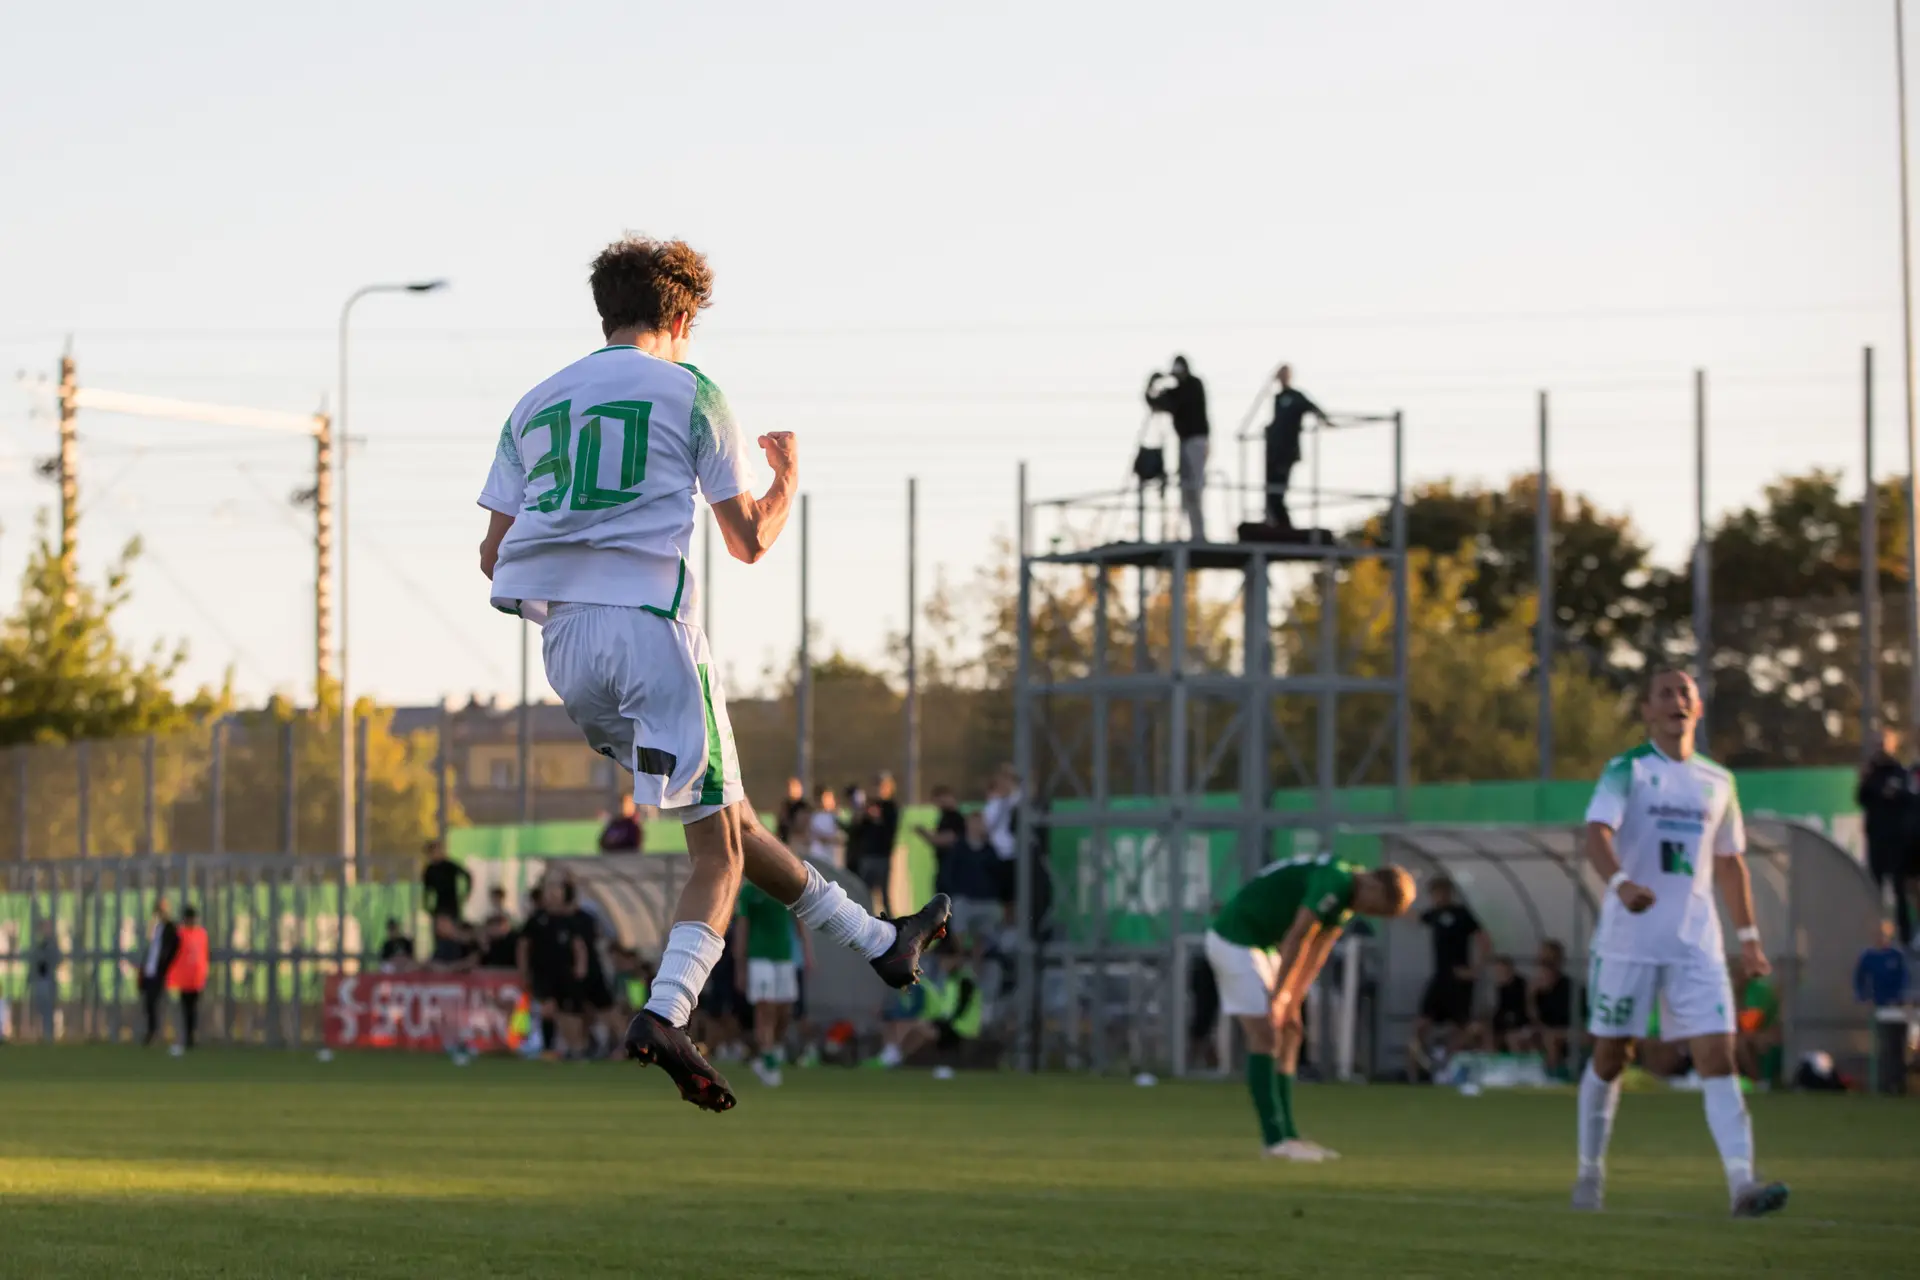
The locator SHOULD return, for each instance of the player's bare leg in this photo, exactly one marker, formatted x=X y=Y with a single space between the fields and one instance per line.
x=1288 y=1040
x=657 y=1035
x=1749 y=1195
x=892 y=947
x=1599 y=1100
x=1271 y=1103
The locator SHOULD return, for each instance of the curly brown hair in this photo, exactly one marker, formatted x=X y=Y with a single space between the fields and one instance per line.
x=643 y=283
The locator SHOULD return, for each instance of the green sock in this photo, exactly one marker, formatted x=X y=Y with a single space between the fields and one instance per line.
x=1283 y=1089
x=1266 y=1099
x=770 y=1060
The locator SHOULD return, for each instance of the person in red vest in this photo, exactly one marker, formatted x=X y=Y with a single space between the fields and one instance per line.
x=188 y=975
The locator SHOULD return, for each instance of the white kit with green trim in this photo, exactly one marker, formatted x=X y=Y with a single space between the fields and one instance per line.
x=599 y=467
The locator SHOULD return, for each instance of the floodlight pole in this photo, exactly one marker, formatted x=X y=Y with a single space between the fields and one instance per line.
x=347 y=833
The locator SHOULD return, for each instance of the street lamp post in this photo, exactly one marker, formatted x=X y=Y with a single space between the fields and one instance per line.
x=347 y=831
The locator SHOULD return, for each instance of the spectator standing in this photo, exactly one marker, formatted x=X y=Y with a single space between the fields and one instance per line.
x=969 y=873
x=499 y=942
x=1001 y=814
x=624 y=832
x=1459 y=948
x=878 y=835
x=1890 y=806
x=43 y=979
x=787 y=827
x=1183 y=398
x=826 y=839
x=187 y=975
x=1883 y=979
x=446 y=883
x=163 y=943
x=1290 y=409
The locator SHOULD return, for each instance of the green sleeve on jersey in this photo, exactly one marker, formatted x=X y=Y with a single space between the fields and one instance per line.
x=1617 y=778
x=712 y=419
x=1329 y=894
x=509 y=448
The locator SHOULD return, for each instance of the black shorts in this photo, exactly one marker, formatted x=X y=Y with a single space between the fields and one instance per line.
x=546 y=984
x=1006 y=880
x=1448 y=1001
x=948 y=1036
x=592 y=994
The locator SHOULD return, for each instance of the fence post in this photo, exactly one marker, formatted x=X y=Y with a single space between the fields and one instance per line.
x=289 y=801
x=20 y=755
x=84 y=817
x=360 y=806
x=148 y=802
x=217 y=787
x=442 y=758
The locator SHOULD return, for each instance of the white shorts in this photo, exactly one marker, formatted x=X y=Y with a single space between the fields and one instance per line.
x=1244 y=975
x=1696 y=998
x=772 y=982
x=645 y=692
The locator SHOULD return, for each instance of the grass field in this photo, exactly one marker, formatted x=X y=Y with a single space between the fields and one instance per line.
x=119 y=1163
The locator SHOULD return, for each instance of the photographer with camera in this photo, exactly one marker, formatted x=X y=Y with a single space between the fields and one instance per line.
x=1182 y=397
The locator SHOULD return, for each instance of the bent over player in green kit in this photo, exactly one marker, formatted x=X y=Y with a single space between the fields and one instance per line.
x=1266 y=947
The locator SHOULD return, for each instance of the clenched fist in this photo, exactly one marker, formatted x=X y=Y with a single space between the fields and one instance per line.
x=783 y=452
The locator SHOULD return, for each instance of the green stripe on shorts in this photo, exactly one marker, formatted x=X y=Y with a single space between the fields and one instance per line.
x=713 y=787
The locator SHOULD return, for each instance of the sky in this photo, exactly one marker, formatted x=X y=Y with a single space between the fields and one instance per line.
x=945 y=243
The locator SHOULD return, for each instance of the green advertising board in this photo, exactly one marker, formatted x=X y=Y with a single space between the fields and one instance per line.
x=1138 y=882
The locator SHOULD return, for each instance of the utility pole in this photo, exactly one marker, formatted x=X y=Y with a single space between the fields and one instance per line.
x=68 y=463
x=319 y=426
x=322 y=553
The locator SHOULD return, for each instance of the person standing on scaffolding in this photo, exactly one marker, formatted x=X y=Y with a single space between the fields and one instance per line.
x=1290 y=409
x=1183 y=398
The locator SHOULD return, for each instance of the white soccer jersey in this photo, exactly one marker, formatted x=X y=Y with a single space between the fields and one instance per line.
x=1670 y=819
x=598 y=467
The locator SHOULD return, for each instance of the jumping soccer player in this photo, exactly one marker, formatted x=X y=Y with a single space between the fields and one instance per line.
x=1663 y=829
x=1300 y=906
x=592 y=495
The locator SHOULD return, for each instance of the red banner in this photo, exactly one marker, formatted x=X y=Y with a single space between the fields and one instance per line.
x=423 y=1010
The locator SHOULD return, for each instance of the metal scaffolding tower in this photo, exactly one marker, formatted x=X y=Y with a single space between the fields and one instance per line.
x=1242 y=701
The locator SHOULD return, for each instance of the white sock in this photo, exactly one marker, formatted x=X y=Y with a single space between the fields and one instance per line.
x=1732 y=1128
x=692 y=951
x=824 y=906
x=1598 y=1101
x=890 y=1055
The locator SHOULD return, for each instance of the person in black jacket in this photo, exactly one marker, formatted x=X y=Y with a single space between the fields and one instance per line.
x=446 y=883
x=1183 y=398
x=156 y=957
x=1290 y=409
x=1889 y=804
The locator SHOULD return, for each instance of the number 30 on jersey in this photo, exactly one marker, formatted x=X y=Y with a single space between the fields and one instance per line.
x=575 y=470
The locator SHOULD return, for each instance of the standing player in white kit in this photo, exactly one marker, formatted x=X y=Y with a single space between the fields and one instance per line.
x=592 y=493
x=1663 y=830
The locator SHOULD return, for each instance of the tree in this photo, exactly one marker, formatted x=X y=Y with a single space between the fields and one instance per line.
x=1612 y=604
x=65 y=675
x=1786 y=642
x=1471 y=690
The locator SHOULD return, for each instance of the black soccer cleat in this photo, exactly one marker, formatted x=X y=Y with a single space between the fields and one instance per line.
x=651 y=1042
x=899 y=965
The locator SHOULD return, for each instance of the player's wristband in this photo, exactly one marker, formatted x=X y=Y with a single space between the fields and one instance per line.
x=1749 y=934
x=1619 y=878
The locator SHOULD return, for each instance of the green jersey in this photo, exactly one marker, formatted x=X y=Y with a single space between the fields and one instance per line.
x=769 y=925
x=1264 y=909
